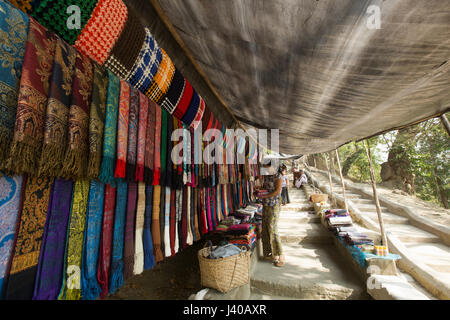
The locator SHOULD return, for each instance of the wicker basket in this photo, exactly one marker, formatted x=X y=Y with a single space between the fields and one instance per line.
x=224 y=274
x=319 y=197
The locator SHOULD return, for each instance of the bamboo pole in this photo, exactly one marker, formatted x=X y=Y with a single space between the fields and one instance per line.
x=310 y=172
x=342 y=179
x=329 y=180
x=446 y=123
x=375 y=196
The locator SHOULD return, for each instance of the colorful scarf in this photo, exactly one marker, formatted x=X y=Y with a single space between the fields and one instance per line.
x=166 y=230
x=172 y=222
x=122 y=129
x=192 y=109
x=142 y=136
x=139 y=231
x=132 y=135
x=162 y=79
x=193 y=213
x=155 y=228
x=29 y=238
x=104 y=259
x=164 y=123
x=110 y=136
x=150 y=143
x=32 y=100
x=118 y=240
x=187 y=217
x=199 y=115
x=102 y=30
x=51 y=261
x=13 y=37
x=149 y=258
x=157 y=163
x=97 y=120
x=169 y=147
x=90 y=289
x=10 y=199
x=162 y=215
x=76 y=159
x=183 y=104
x=24 y=5
x=179 y=210
x=128 y=250
x=57 y=118
x=175 y=92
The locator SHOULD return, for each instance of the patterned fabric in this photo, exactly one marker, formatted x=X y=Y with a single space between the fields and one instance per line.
x=157 y=162
x=175 y=92
x=128 y=249
x=13 y=37
x=32 y=100
x=122 y=129
x=10 y=198
x=155 y=227
x=142 y=137
x=162 y=80
x=270 y=237
x=57 y=118
x=71 y=289
x=132 y=135
x=102 y=30
x=51 y=261
x=139 y=231
x=198 y=117
x=269 y=185
x=147 y=63
x=192 y=109
x=29 y=238
x=76 y=159
x=185 y=100
x=149 y=258
x=150 y=143
x=90 y=289
x=110 y=135
x=24 y=5
x=97 y=120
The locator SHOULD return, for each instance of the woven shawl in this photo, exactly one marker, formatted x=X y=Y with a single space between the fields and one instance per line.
x=164 y=124
x=155 y=227
x=192 y=109
x=162 y=80
x=142 y=136
x=139 y=231
x=122 y=129
x=24 y=5
x=157 y=154
x=166 y=230
x=102 y=30
x=128 y=250
x=147 y=63
x=149 y=258
x=183 y=104
x=90 y=289
x=126 y=49
x=29 y=238
x=32 y=100
x=133 y=124
x=149 y=160
x=13 y=37
x=175 y=92
x=97 y=120
x=10 y=199
x=116 y=278
x=74 y=249
x=76 y=158
x=57 y=117
x=172 y=222
x=110 y=135
x=51 y=261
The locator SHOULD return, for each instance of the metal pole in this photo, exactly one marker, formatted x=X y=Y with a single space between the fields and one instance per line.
x=329 y=180
x=342 y=179
x=375 y=196
x=446 y=123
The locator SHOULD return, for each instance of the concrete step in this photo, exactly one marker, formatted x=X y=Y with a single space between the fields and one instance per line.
x=292 y=233
x=299 y=217
x=388 y=217
x=363 y=201
x=435 y=255
x=370 y=208
x=411 y=234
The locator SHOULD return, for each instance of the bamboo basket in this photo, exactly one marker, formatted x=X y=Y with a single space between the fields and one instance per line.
x=224 y=274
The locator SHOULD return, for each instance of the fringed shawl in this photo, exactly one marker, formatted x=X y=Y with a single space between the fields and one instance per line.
x=149 y=258
x=155 y=227
x=128 y=251
x=150 y=143
x=132 y=135
x=122 y=129
x=157 y=154
x=162 y=79
x=142 y=136
x=139 y=231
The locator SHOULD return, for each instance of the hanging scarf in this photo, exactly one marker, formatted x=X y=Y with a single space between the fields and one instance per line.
x=29 y=238
x=184 y=217
x=162 y=79
x=116 y=278
x=199 y=115
x=122 y=129
x=76 y=159
x=150 y=143
x=139 y=231
x=32 y=100
x=175 y=92
x=24 y=5
x=166 y=230
x=97 y=120
x=208 y=209
x=162 y=214
x=189 y=238
x=132 y=135
x=185 y=99
x=110 y=136
x=164 y=121
x=142 y=136
x=193 y=213
x=104 y=258
x=128 y=250
x=179 y=210
x=156 y=233
x=157 y=162
x=10 y=200
x=71 y=289
x=149 y=258
x=172 y=222
x=14 y=31
x=192 y=109
x=102 y=30
x=169 y=146
x=90 y=289
x=51 y=261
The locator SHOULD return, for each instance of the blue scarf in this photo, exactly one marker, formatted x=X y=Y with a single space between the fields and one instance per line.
x=149 y=259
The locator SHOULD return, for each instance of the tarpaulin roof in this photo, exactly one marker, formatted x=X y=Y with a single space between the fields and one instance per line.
x=315 y=70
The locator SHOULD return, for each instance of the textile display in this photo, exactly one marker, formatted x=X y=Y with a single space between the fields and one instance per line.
x=142 y=137
x=133 y=123
x=149 y=159
x=122 y=129
x=157 y=154
x=128 y=250
x=162 y=80
x=13 y=39
x=174 y=93
x=185 y=100
x=139 y=231
x=155 y=227
x=149 y=258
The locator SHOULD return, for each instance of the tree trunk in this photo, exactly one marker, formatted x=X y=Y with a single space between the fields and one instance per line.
x=442 y=194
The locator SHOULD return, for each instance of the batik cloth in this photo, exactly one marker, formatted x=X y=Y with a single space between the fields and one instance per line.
x=142 y=137
x=174 y=93
x=155 y=227
x=116 y=278
x=90 y=289
x=122 y=129
x=29 y=238
x=24 y=5
x=13 y=39
x=149 y=258
x=157 y=154
x=97 y=120
x=110 y=134
x=128 y=250
x=183 y=104
x=132 y=135
x=139 y=231
x=71 y=289
x=102 y=30
x=166 y=230
x=150 y=143
x=162 y=80
x=76 y=158
x=147 y=63
x=58 y=106
x=51 y=261
x=10 y=200
x=32 y=100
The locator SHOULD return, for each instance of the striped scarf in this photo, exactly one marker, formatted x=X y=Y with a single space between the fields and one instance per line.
x=157 y=154
x=132 y=135
x=142 y=136
x=139 y=231
x=155 y=227
x=150 y=143
x=122 y=129
x=128 y=250
x=192 y=109
x=185 y=99
x=162 y=79
x=149 y=258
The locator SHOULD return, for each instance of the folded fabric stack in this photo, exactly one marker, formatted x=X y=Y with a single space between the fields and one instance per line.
x=242 y=235
x=337 y=218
